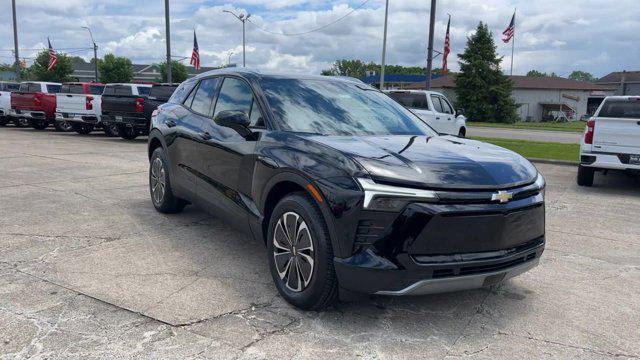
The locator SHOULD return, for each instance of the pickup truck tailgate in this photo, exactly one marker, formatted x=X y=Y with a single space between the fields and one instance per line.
x=71 y=103
x=118 y=104
x=617 y=127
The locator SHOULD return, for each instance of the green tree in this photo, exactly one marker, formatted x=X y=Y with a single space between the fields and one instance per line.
x=481 y=87
x=178 y=72
x=536 y=73
x=358 y=68
x=582 y=76
x=61 y=73
x=115 y=69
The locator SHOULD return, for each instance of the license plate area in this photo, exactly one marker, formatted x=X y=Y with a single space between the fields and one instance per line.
x=634 y=159
x=118 y=118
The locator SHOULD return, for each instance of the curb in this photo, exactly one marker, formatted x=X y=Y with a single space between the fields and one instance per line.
x=553 y=162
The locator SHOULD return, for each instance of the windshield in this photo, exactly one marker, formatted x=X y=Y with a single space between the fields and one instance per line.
x=330 y=107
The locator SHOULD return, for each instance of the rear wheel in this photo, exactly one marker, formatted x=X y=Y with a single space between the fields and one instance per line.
x=39 y=124
x=83 y=129
x=3 y=121
x=128 y=133
x=300 y=254
x=63 y=126
x=160 y=185
x=110 y=130
x=585 y=175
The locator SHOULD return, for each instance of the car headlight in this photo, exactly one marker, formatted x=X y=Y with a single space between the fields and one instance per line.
x=541 y=184
x=383 y=197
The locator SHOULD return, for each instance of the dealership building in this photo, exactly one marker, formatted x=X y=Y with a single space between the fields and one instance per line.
x=541 y=98
x=625 y=82
x=142 y=73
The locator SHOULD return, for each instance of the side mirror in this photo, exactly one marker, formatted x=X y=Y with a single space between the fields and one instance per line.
x=460 y=112
x=236 y=120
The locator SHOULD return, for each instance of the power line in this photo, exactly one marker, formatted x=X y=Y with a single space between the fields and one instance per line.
x=313 y=30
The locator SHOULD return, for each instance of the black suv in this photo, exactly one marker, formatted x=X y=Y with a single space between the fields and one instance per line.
x=350 y=192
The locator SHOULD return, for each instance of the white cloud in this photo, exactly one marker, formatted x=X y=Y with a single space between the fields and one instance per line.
x=550 y=35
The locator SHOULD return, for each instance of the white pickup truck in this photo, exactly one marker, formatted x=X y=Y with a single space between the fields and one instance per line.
x=611 y=139
x=79 y=106
x=432 y=107
x=5 y=100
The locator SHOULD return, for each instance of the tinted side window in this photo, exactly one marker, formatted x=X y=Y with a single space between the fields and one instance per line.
x=162 y=91
x=117 y=90
x=181 y=92
x=96 y=89
x=235 y=94
x=627 y=109
x=53 y=89
x=445 y=106
x=204 y=96
x=33 y=87
x=412 y=101
x=71 y=89
x=256 y=117
x=144 y=90
x=436 y=103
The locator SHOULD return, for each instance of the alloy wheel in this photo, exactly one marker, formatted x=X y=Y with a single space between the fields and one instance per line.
x=66 y=126
x=24 y=122
x=293 y=251
x=158 y=181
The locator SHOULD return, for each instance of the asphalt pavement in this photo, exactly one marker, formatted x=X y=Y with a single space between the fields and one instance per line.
x=88 y=269
x=525 y=134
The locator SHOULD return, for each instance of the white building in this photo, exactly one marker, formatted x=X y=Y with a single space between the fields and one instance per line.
x=541 y=98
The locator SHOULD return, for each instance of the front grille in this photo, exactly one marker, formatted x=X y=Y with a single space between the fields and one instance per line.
x=367 y=232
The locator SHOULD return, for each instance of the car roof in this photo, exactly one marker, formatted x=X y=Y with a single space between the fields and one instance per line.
x=41 y=82
x=258 y=74
x=428 y=92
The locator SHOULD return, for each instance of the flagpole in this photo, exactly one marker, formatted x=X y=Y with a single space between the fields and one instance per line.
x=513 y=40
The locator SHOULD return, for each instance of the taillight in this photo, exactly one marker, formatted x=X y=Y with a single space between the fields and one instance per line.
x=88 y=103
x=591 y=128
x=139 y=103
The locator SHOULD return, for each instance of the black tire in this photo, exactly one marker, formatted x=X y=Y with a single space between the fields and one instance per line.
x=110 y=130
x=3 y=121
x=585 y=175
x=39 y=124
x=167 y=203
x=320 y=289
x=22 y=122
x=128 y=133
x=82 y=129
x=462 y=133
x=63 y=126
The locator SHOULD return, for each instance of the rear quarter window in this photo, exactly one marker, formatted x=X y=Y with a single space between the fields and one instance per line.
x=71 y=89
x=96 y=89
x=53 y=89
x=181 y=92
x=143 y=90
x=625 y=109
x=409 y=100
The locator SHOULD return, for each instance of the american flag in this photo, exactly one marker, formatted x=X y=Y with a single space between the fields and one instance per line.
x=53 y=58
x=447 y=49
x=511 y=29
x=195 y=55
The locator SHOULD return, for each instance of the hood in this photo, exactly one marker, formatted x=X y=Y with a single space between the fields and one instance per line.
x=440 y=162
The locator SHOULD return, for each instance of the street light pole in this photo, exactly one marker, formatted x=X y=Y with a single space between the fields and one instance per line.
x=432 y=21
x=168 y=32
x=15 y=40
x=229 y=61
x=384 y=45
x=95 y=54
x=242 y=19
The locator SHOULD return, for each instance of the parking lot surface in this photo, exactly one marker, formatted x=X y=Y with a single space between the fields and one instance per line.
x=88 y=269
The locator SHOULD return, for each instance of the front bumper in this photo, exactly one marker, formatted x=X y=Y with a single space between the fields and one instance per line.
x=78 y=118
x=140 y=123
x=607 y=161
x=433 y=248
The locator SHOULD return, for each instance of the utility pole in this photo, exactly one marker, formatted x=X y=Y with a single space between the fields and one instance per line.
x=15 y=40
x=384 y=45
x=243 y=19
x=95 y=54
x=168 y=32
x=432 y=21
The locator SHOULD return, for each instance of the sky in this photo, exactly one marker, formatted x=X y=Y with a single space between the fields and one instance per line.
x=598 y=36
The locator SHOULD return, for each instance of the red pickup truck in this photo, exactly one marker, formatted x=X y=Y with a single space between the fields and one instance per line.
x=35 y=101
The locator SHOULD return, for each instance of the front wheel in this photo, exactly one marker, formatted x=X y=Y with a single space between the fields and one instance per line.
x=110 y=130
x=300 y=254
x=128 y=133
x=160 y=185
x=3 y=121
x=22 y=122
x=63 y=126
x=585 y=176
x=462 y=133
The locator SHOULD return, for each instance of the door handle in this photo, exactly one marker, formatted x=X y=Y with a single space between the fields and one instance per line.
x=205 y=136
x=268 y=161
x=437 y=118
x=170 y=123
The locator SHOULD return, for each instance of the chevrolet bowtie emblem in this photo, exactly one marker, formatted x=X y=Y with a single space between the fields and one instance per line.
x=502 y=197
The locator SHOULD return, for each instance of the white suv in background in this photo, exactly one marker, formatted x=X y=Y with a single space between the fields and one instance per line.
x=611 y=139
x=432 y=107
